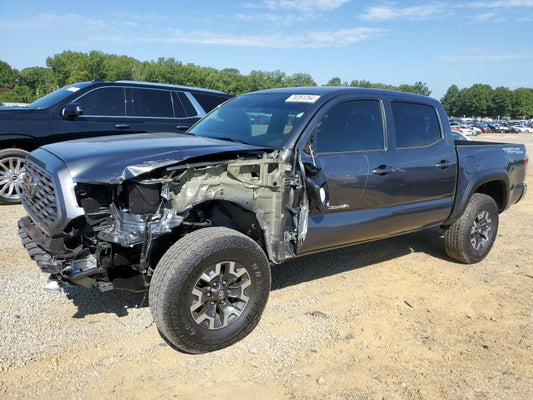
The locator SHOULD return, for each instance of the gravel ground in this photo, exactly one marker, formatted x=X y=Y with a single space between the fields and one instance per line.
x=391 y=319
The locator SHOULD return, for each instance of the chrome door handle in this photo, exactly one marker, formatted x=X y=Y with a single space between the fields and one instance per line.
x=444 y=164
x=383 y=170
x=122 y=126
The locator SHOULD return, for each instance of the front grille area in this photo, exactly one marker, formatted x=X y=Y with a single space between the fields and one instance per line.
x=39 y=195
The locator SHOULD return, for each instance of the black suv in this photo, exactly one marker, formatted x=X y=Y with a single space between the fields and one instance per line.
x=94 y=108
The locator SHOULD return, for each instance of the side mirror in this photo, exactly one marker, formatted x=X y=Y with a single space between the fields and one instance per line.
x=317 y=188
x=71 y=111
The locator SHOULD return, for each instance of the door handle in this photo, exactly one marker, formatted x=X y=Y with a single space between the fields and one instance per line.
x=122 y=126
x=182 y=127
x=443 y=164
x=383 y=170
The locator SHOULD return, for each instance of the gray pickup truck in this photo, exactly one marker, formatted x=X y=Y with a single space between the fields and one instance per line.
x=198 y=218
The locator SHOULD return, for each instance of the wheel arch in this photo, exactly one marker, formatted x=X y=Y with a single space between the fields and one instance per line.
x=21 y=142
x=232 y=215
x=498 y=189
x=493 y=183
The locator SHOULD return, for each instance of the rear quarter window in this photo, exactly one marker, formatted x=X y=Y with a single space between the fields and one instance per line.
x=186 y=104
x=208 y=101
x=416 y=125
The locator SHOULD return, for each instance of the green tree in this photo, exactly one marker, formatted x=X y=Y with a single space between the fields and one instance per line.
x=418 y=88
x=359 y=83
x=39 y=81
x=70 y=66
x=501 y=102
x=114 y=68
x=475 y=101
x=449 y=100
x=10 y=96
x=460 y=106
x=260 y=80
x=8 y=75
x=59 y=64
x=166 y=70
x=421 y=88
x=233 y=82
x=522 y=103
x=25 y=94
x=301 y=79
x=334 y=82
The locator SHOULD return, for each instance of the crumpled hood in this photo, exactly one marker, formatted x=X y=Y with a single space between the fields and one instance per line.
x=112 y=159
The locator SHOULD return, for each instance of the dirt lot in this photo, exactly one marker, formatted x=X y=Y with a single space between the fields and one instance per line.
x=393 y=319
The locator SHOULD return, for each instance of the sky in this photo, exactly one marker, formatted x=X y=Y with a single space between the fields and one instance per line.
x=392 y=42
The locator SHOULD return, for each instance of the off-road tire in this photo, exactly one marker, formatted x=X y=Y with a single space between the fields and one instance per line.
x=12 y=162
x=179 y=285
x=470 y=238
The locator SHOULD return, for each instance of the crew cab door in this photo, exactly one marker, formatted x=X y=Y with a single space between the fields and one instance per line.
x=346 y=144
x=104 y=113
x=425 y=167
x=161 y=110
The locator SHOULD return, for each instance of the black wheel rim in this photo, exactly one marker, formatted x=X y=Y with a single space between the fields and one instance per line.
x=480 y=232
x=220 y=295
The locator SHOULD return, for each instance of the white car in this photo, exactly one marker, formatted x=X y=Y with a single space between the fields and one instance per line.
x=501 y=128
x=521 y=128
x=467 y=130
x=476 y=130
x=457 y=135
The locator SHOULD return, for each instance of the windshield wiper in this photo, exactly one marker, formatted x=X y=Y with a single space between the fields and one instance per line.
x=229 y=139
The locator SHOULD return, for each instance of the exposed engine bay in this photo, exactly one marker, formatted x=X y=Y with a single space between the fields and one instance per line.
x=126 y=227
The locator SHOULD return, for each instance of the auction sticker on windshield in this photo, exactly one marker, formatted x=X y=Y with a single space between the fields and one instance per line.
x=302 y=98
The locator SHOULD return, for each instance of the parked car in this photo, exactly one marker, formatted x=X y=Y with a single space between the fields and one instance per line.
x=96 y=108
x=482 y=128
x=477 y=131
x=198 y=218
x=500 y=128
x=466 y=130
x=517 y=129
x=458 y=135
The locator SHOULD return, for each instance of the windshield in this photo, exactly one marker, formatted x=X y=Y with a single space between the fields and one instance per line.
x=258 y=119
x=55 y=97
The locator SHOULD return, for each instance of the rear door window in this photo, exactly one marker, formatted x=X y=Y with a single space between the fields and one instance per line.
x=416 y=125
x=154 y=103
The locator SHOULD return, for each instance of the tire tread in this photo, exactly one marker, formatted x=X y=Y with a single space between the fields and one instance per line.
x=169 y=272
x=455 y=237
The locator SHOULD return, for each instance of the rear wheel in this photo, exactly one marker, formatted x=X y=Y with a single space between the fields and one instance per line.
x=12 y=163
x=209 y=290
x=471 y=237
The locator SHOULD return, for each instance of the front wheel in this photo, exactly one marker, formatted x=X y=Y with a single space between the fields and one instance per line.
x=12 y=169
x=470 y=238
x=209 y=290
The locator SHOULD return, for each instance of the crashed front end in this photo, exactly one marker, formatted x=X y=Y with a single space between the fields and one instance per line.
x=111 y=234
